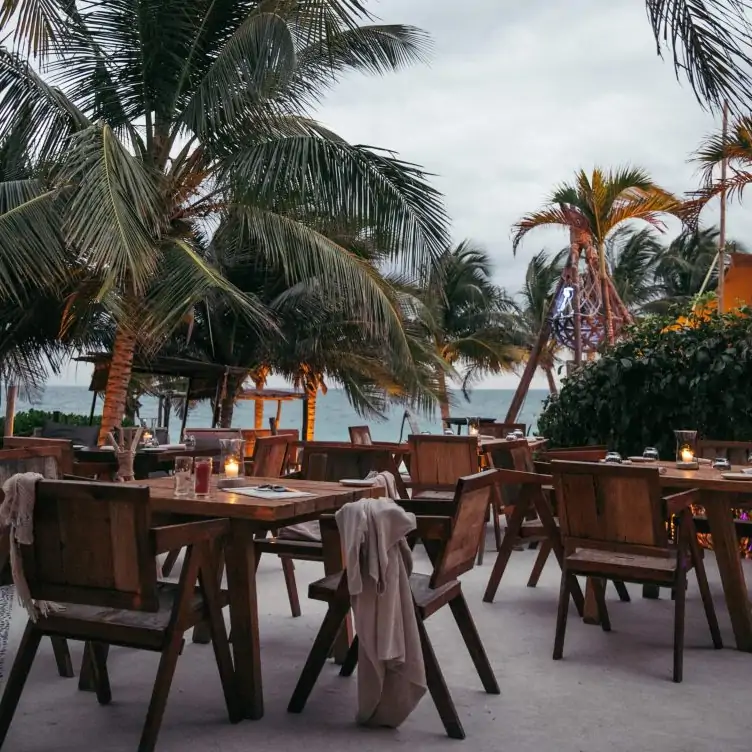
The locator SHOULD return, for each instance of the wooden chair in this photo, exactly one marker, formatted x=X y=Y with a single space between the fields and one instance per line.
x=269 y=456
x=249 y=435
x=736 y=452
x=94 y=553
x=436 y=462
x=50 y=458
x=324 y=461
x=614 y=526
x=86 y=435
x=360 y=435
x=452 y=558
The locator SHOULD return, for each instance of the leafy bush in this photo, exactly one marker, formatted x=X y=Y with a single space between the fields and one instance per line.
x=25 y=422
x=693 y=375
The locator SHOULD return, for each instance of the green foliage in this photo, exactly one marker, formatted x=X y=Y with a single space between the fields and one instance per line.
x=663 y=376
x=25 y=422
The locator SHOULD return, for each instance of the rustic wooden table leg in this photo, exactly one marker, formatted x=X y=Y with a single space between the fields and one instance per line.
x=334 y=563
x=240 y=559
x=591 y=614
x=726 y=548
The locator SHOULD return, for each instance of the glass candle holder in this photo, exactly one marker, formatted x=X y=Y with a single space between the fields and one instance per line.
x=472 y=426
x=232 y=458
x=686 y=450
x=182 y=476
x=202 y=476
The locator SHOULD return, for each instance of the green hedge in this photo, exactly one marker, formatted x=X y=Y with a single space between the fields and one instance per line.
x=661 y=377
x=25 y=422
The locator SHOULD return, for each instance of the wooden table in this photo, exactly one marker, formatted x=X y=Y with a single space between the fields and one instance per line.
x=719 y=496
x=248 y=516
x=145 y=461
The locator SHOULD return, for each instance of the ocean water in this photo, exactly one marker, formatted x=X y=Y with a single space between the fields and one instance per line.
x=333 y=412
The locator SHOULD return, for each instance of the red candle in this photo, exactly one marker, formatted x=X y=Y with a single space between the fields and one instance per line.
x=203 y=475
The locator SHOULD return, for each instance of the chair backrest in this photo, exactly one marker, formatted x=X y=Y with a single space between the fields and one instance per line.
x=250 y=435
x=471 y=500
x=270 y=455
x=736 y=452
x=86 y=435
x=324 y=461
x=64 y=449
x=509 y=455
x=208 y=438
x=611 y=507
x=575 y=454
x=501 y=430
x=360 y=435
x=437 y=462
x=46 y=461
x=92 y=546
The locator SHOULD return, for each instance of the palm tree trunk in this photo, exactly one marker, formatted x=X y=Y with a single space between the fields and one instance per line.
x=118 y=380
x=312 y=389
x=443 y=394
x=605 y=294
x=259 y=381
x=227 y=405
x=551 y=380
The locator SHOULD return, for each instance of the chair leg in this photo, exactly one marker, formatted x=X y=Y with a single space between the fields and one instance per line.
x=207 y=579
x=482 y=543
x=621 y=589
x=507 y=545
x=165 y=672
x=169 y=562
x=96 y=653
x=322 y=645
x=62 y=657
x=561 y=616
x=470 y=635
x=351 y=659
x=540 y=562
x=438 y=688
x=86 y=677
x=496 y=524
x=707 y=598
x=599 y=590
x=288 y=569
x=679 y=608
x=27 y=650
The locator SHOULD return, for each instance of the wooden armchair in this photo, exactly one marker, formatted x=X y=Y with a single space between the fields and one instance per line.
x=614 y=526
x=452 y=556
x=436 y=462
x=501 y=430
x=94 y=553
x=575 y=454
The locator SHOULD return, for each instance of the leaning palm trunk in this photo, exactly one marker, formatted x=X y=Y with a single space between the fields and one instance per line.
x=608 y=316
x=443 y=394
x=259 y=381
x=552 y=388
x=227 y=403
x=310 y=413
x=118 y=380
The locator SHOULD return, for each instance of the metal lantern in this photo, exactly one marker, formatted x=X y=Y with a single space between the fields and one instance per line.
x=232 y=457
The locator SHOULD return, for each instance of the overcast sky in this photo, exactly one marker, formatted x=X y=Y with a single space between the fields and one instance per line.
x=517 y=96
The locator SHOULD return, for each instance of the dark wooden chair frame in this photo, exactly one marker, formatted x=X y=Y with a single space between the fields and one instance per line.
x=443 y=537
x=124 y=590
x=687 y=554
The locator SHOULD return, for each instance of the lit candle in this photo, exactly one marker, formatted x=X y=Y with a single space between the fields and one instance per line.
x=472 y=430
x=687 y=454
x=232 y=468
x=146 y=437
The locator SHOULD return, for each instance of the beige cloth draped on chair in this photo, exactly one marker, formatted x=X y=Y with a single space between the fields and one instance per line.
x=391 y=674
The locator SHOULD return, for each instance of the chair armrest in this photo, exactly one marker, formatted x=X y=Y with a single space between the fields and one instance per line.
x=520 y=478
x=433 y=527
x=173 y=537
x=675 y=503
x=428 y=507
x=541 y=466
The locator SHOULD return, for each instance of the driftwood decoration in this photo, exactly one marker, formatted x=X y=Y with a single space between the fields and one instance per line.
x=125 y=450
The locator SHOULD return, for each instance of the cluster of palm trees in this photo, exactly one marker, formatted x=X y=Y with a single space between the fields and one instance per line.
x=164 y=187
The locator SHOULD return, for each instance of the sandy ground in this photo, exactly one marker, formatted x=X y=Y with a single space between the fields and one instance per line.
x=611 y=692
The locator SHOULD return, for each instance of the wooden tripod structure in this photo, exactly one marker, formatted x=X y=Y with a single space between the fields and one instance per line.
x=576 y=315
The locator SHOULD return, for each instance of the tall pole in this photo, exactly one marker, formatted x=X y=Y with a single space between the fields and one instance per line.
x=10 y=409
x=722 y=233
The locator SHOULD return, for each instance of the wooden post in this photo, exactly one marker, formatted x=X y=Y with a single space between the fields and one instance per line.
x=574 y=260
x=278 y=418
x=93 y=407
x=10 y=408
x=273 y=426
x=304 y=426
x=185 y=409
x=722 y=224
x=532 y=361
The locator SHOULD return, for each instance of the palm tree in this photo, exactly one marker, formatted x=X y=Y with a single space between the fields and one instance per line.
x=150 y=125
x=710 y=43
x=541 y=279
x=594 y=207
x=631 y=257
x=466 y=318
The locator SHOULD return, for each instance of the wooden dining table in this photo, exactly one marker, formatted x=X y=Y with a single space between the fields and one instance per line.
x=719 y=497
x=249 y=516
